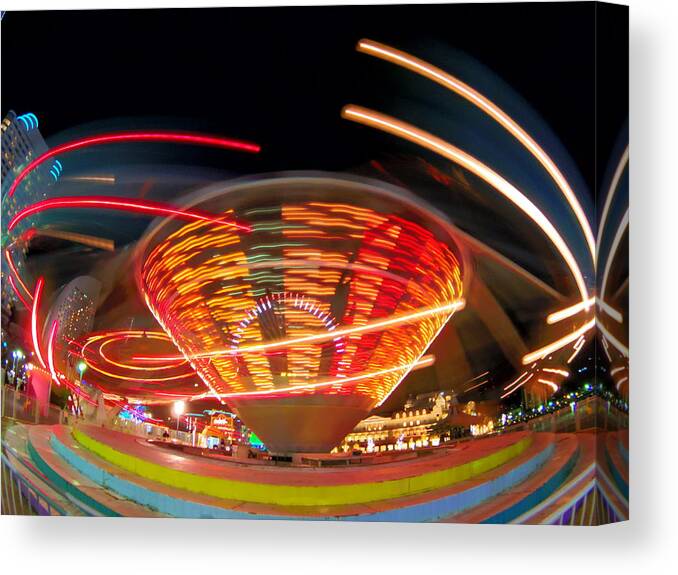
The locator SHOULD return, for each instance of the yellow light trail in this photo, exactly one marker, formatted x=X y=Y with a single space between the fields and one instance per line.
x=558 y=371
x=610 y=194
x=439 y=146
x=476 y=98
x=551 y=384
x=622 y=380
x=562 y=314
x=515 y=381
x=609 y=310
x=577 y=348
x=558 y=344
x=321 y=337
x=420 y=363
x=517 y=386
x=413 y=364
x=623 y=225
x=613 y=340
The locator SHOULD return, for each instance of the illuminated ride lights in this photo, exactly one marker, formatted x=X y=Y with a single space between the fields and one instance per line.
x=18 y=293
x=15 y=273
x=129 y=137
x=477 y=99
x=34 y=321
x=318 y=337
x=146 y=207
x=447 y=150
x=50 y=352
x=314 y=317
x=558 y=344
x=437 y=145
x=110 y=355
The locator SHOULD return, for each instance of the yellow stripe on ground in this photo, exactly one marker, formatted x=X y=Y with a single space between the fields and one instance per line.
x=312 y=495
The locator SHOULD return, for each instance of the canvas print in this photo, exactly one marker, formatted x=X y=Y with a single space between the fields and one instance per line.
x=361 y=263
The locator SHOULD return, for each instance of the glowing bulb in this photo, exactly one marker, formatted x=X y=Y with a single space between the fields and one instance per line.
x=178 y=408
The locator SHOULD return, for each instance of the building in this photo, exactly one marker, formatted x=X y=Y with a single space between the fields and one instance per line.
x=422 y=422
x=21 y=143
x=74 y=308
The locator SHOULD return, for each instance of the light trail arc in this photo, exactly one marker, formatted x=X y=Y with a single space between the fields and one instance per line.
x=131 y=137
x=437 y=145
x=145 y=207
x=320 y=337
x=448 y=81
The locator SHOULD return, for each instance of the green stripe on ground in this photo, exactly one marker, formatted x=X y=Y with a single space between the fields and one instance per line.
x=312 y=495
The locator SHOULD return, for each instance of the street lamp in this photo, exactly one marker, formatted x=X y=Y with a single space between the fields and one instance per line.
x=178 y=408
x=16 y=354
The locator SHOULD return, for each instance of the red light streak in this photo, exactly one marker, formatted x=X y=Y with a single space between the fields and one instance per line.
x=165 y=137
x=34 y=320
x=137 y=206
x=10 y=263
x=18 y=293
x=50 y=351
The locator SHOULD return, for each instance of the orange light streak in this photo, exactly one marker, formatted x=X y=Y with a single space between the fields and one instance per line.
x=517 y=386
x=421 y=363
x=490 y=108
x=320 y=337
x=562 y=314
x=577 y=348
x=557 y=371
x=552 y=385
x=558 y=344
x=439 y=146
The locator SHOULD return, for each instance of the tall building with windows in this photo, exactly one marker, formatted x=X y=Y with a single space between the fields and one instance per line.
x=21 y=144
x=73 y=308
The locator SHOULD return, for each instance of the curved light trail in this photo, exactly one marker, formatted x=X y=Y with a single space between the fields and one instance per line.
x=476 y=98
x=558 y=344
x=50 y=351
x=146 y=207
x=551 y=384
x=439 y=146
x=610 y=258
x=92 y=349
x=562 y=314
x=621 y=348
x=621 y=166
x=518 y=386
x=423 y=362
x=558 y=371
x=320 y=337
x=12 y=267
x=17 y=292
x=34 y=320
x=122 y=137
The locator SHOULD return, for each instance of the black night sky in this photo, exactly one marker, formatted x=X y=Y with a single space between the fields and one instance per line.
x=279 y=76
